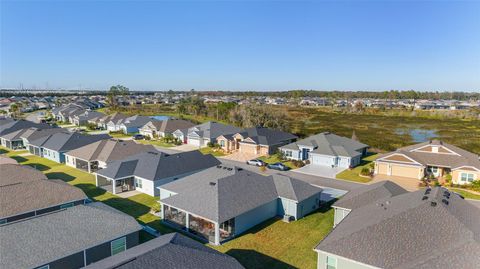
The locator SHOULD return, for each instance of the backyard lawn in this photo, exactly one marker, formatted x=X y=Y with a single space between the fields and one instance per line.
x=354 y=174
x=270 y=244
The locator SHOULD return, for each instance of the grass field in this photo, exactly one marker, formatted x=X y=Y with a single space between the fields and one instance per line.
x=156 y=143
x=466 y=193
x=209 y=150
x=275 y=159
x=272 y=244
x=354 y=174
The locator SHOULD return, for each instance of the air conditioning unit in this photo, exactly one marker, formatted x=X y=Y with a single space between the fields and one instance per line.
x=288 y=218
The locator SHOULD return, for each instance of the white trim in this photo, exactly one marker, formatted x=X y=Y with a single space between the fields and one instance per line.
x=400 y=154
x=347 y=259
x=460 y=168
x=430 y=145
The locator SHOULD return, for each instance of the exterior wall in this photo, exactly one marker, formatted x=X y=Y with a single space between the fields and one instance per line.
x=54 y=155
x=73 y=261
x=249 y=148
x=70 y=161
x=340 y=214
x=255 y=216
x=456 y=176
x=104 y=250
x=390 y=169
x=166 y=193
x=151 y=188
x=148 y=186
x=287 y=207
x=342 y=263
x=40 y=211
x=295 y=154
x=308 y=205
x=329 y=160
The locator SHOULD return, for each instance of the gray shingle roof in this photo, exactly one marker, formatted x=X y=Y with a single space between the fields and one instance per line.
x=35 y=133
x=221 y=193
x=368 y=194
x=406 y=231
x=13 y=126
x=154 y=165
x=24 y=197
x=107 y=150
x=16 y=173
x=65 y=141
x=136 y=121
x=171 y=125
x=267 y=136
x=172 y=251
x=329 y=144
x=33 y=242
x=7 y=160
x=212 y=130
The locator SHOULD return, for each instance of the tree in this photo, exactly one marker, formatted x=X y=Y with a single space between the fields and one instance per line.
x=114 y=92
x=15 y=109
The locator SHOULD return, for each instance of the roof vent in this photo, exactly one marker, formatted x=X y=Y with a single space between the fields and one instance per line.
x=212 y=183
x=434 y=204
x=427 y=191
x=219 y=166
x=445 y=201
x=224 y=167
x=229 y=169
x=424 y=198
x=239 y=169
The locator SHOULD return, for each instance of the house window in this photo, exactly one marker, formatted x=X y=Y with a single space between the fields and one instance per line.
x=67 y=205
x=3 y=221
x=118 y=245
x=331 y=263
x=138 y=183
x=465 y=177
x=222 y=143
x=288 y=153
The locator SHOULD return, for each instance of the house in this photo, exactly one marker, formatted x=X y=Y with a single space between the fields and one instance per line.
x=82 y=119
x=65 y=113
x=19 y=139
x=326 y=149
x=113 y=119
x=69 y=238
x=33 y=134
x=171 y=250
x=201 y=135
x=363 y=196
x=132 y=124
x=432 y=158
x=54 y=146
x=146 y=171
x=25 y=192
x=256 y=140
x=222 y=202
x=8 y=132
x=430 y=228
x=96 y=155
x=163 y=128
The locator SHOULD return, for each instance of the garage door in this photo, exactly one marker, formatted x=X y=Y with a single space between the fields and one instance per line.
x=321 y=160
x=405 y=171
x=382 y=168
x=249 y=149
x=194 y=141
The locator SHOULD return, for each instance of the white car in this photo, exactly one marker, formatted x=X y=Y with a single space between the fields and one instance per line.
x=256 y=162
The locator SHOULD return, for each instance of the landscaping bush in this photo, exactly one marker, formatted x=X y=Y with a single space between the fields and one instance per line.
x=91 y=126
x=365 y=171
x=147 y=137
x=297 y=164
x=263 y=168
x=280 y=155
x=211 y=144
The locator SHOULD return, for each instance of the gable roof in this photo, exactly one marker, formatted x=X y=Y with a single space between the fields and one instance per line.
x=170 y=251
x=42 y=239
x=412 y=230
x=16 y=173
x=136 y=121
x=65 y=141
x=327 y=143
x=109 y=150
x=369 y=194
x=452 y=156
x=212 y=130
x=154 y=165
x=171 y=125
x=267 y=136
x=13 y=126
x=36 y=133
x=221 y=193
x=113 y=117
x=23 y=197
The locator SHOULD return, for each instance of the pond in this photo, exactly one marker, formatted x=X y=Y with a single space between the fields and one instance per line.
x=418 y=135
x=160 y=117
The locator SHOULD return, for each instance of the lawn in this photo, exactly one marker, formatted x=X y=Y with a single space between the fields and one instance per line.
x=354 y=174
x=466 y=193
x=270 y=244
x=274 y=159
x=120 y=135
x=213 y=151
x=157 y=143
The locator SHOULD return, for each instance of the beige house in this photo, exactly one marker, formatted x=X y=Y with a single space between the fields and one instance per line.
x=433 y=158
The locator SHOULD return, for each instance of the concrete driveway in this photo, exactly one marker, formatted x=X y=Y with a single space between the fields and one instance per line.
x=319 y=170
x=185 y=147
x=240 y=156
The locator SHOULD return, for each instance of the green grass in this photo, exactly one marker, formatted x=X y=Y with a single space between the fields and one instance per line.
x=354 y=174
x=120 y=135
x=214 y=152
x=264 y=246
x=466 y=193
x=274 y=159
x=158 y=143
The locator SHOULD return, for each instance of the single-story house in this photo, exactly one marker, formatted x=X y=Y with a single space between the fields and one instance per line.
x=163 y=128
x=113 y=124
x=33 y=134
x=201 y=135
x=53 y=147
x=65 y=112
x=82 y=119
x=429 y=228
x=432 y=158
x=132 y=124
x=72 y=238
x=96 y=155
x=222 y=202
x=363 y=196
x=10 y=132
x=327 y=149
x=256 y=140
x=171 y=250
x=146 y=171
x=103 y=121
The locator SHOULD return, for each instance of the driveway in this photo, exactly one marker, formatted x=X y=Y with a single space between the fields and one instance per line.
x=185 y=147
x=240 y=156
x=319 y=170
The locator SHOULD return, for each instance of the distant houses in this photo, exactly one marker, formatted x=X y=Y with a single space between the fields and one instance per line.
x=158 y=129
x=203 y=134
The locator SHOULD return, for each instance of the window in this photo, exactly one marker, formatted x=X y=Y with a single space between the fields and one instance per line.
x=44 y=267
x=288 y=153
x=465 y=177
x=118 y=245
x=66 y=205
x=331 y=263
x=3 y=221
x=138 y=183
x=222 y=143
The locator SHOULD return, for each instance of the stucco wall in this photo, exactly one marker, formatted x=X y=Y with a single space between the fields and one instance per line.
x=456 y=176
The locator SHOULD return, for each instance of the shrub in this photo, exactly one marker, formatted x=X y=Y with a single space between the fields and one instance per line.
x=211 y=144
x=307 y=161
x=263 y=168
x=147 y=137
x=365 y=171
x=279 y=154
x=297 y=163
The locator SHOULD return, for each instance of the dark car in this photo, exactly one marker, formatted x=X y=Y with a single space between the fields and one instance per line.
x=256 y=162
x=278 y=166
x=138 y=137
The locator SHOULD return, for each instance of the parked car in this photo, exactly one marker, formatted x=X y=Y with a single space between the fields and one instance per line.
x=138 y=137
x=278 y=166
x=256 y=162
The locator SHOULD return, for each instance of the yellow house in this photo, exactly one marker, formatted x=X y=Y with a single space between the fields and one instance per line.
x=432 y=158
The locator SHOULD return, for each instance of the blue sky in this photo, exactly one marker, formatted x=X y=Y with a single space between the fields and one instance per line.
x=250 y=45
